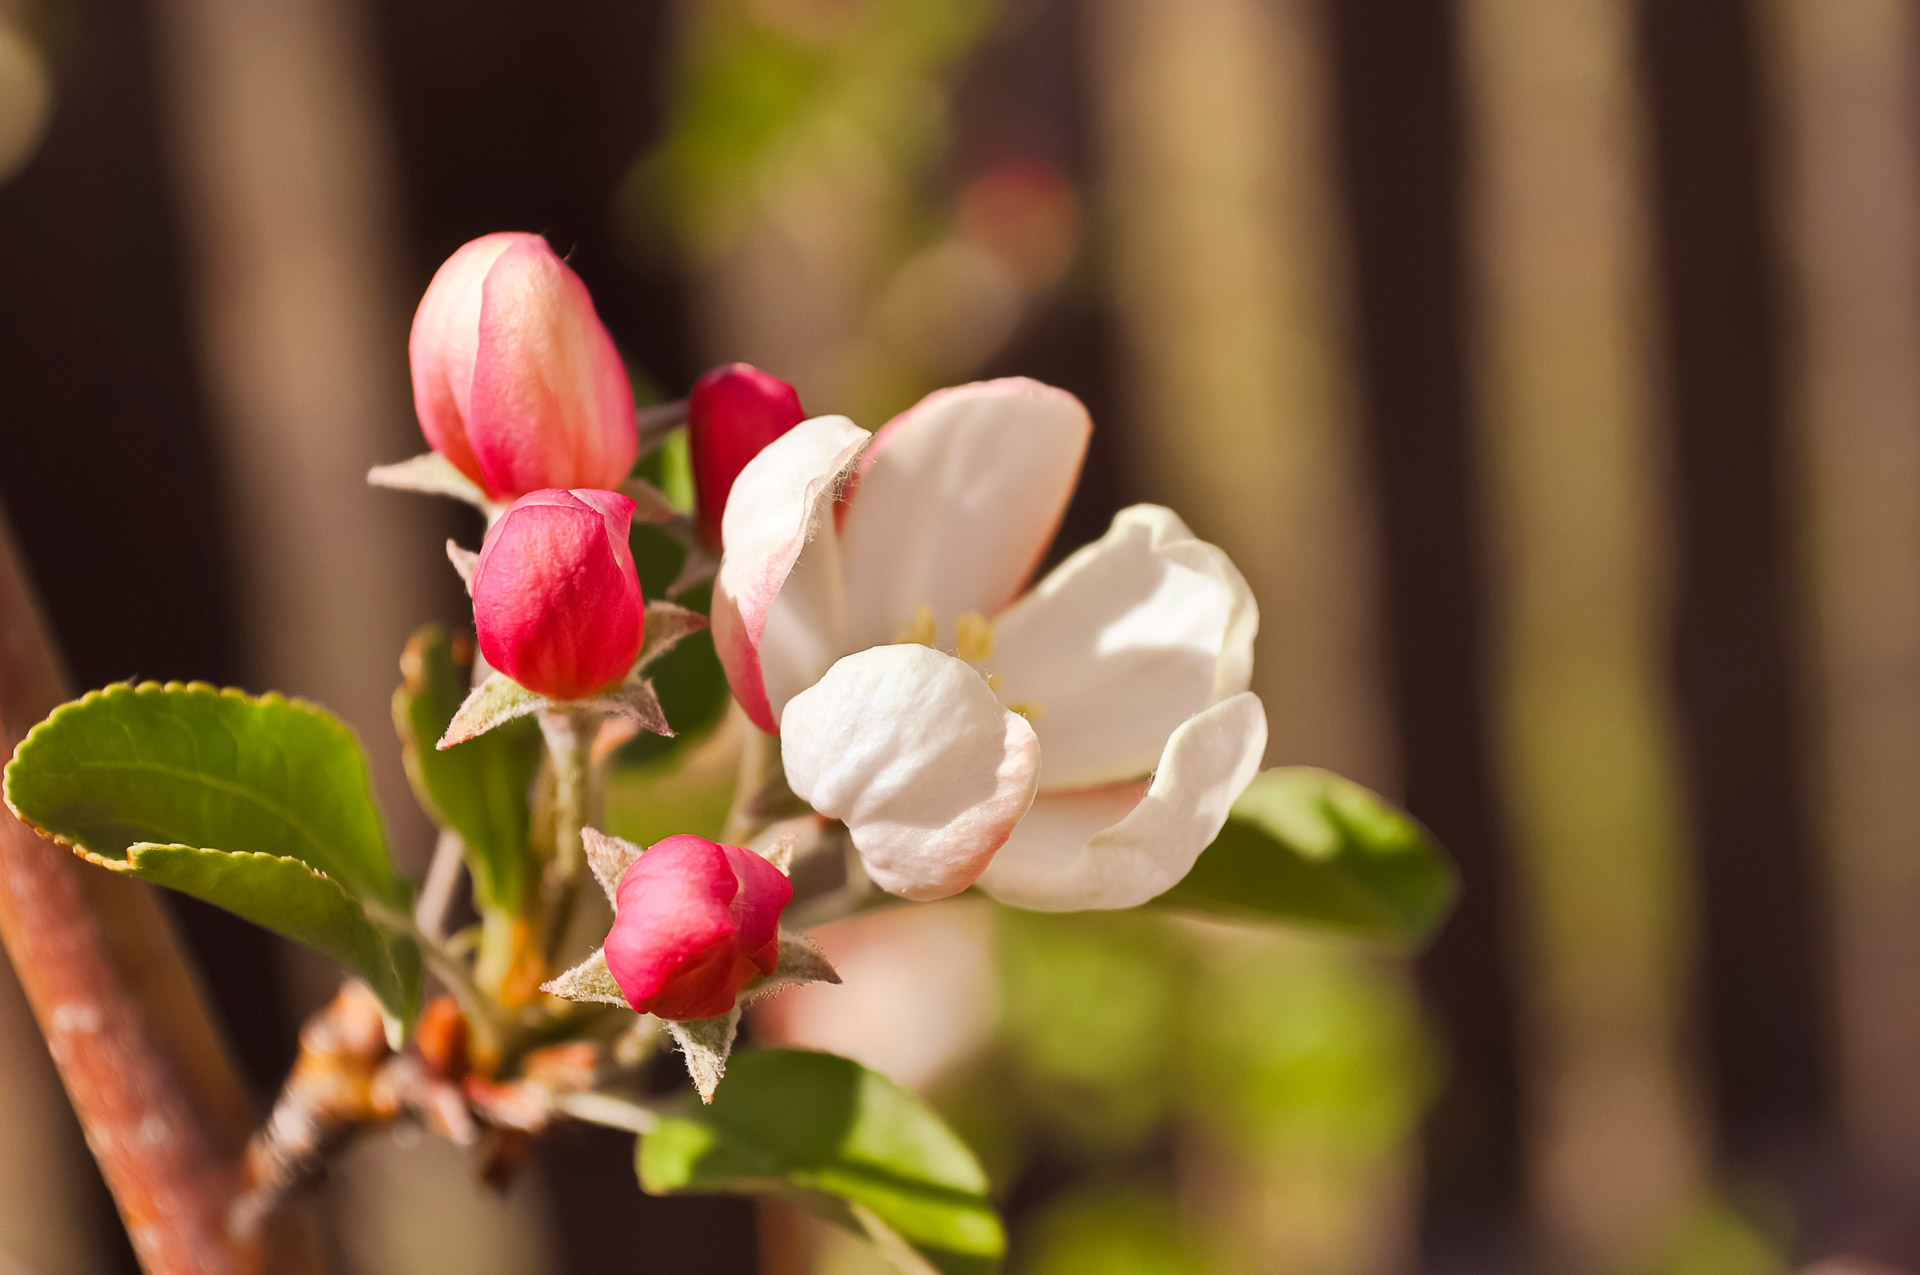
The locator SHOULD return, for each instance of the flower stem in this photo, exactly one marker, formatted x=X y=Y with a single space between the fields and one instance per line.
x=569 y=735
x=760 y=766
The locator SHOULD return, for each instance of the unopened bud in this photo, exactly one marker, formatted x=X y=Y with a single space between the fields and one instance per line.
x=556 y=599
x=515 y=379
x=693 y=923
x=732 y=413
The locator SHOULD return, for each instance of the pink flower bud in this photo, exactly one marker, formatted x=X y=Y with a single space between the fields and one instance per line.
x=693 y=923
x=555 y=597
x=515 y=379
x=732 y=413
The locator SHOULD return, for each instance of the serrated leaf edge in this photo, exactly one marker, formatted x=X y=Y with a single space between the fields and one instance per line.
x=370 y=912
x=115 y=690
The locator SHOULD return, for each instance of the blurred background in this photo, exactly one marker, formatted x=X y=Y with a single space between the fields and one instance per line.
x=1551 y=367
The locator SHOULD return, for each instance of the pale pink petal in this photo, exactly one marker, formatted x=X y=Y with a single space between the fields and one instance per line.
x=440 y=348
x=1121 y=643
x=779 y=503
x=1234 y=672
x=1075 y=851
x=958 y=501
x=909 y=749
x=551 y=405
x=918 y=992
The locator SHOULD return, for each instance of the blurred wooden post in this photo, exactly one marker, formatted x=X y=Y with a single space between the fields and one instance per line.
x=1397 y=72
x=1229 y=282
x=1574 y=466
x=282 y=158
x=280 y=153
x=1853 y=110
x=1214 y=134
x=1736 y=630
x=149 y=1078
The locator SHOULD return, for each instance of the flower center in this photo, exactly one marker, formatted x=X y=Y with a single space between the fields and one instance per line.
x=973 y=641
x=973 y=638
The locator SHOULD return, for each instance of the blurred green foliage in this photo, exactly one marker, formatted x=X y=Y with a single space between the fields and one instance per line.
x=689 y=680
x=1717 y=1240
x=801 y=84
x=1131 y=1041
x=1126 y=1232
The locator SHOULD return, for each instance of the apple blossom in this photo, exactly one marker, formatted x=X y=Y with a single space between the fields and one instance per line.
x=556 y=599
x=732 y=413
x=693 y=923
x=515 y=379
x=1075 y=746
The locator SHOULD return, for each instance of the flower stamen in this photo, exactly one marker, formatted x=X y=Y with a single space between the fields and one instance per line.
x=925 y=629
x=973 y=637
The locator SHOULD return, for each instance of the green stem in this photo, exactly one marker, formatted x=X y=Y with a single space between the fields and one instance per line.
x=480 y=1009
x=569 y=735
x=615 y=1111
x=494 y=960
x=759 y=766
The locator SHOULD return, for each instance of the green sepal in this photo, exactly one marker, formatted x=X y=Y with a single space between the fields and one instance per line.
x=1305 y=846
x=841 y=1140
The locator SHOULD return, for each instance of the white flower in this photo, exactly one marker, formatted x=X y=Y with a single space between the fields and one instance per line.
x=870 y=610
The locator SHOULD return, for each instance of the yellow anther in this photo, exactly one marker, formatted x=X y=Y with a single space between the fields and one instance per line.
x=1027 y=709
x=925 y=629
x=973 y=637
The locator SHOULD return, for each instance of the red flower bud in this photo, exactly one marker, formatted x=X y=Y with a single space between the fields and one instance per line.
x=556 y=599
x=732 y=413
x=693 y=923
x=515 y=379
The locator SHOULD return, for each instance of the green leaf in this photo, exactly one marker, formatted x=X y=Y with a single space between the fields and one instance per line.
x=840 y=1139
x=188 y=764
x=290 y=898
x=479 y=788
x=165 y=782
x=1306 y=846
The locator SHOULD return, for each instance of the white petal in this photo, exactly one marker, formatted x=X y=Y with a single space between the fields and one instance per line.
x=958 y=500
x=778 y=505
x=1125 y=640
x=909 y=748
x=1086 y=850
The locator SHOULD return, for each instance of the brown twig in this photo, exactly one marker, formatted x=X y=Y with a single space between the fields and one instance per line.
x=345 y=1080
x=147 y=1075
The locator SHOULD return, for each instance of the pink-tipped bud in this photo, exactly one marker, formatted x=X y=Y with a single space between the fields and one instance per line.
x=515 y=379
x=693 y=923
x=556 y=599
x=732 y=413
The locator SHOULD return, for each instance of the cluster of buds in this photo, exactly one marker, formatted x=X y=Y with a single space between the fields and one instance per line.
x=522 y=394
x=1067 y=743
